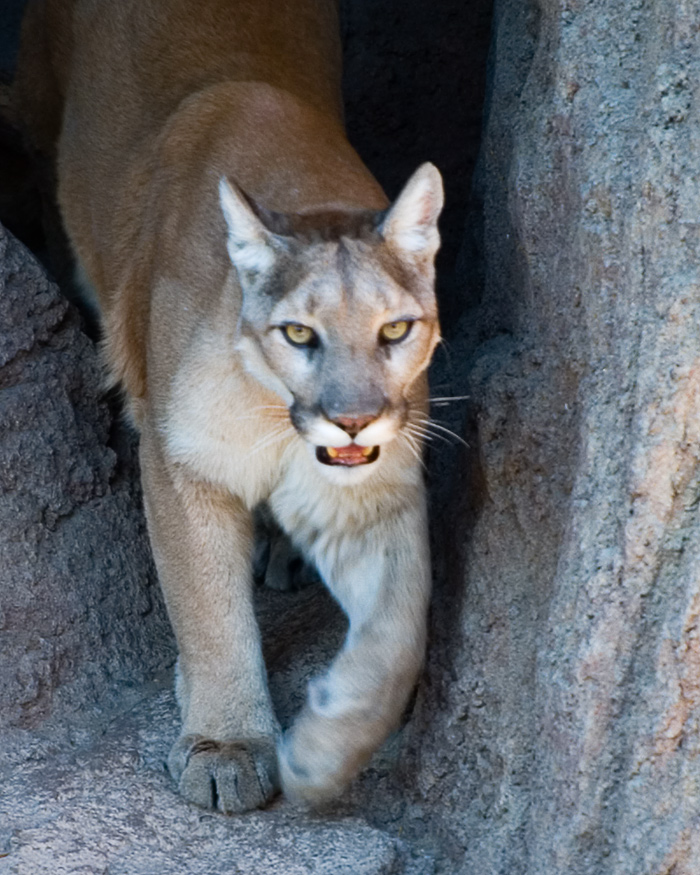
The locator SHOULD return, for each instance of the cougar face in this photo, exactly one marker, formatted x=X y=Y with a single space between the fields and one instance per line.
x=339 y=328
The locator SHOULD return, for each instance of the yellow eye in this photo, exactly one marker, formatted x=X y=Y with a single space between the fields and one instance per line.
x=392 y=332
x=300 y=335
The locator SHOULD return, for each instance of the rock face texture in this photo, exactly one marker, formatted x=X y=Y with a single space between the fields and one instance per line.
x=558 y=730
x=79 y=606
x=110 y=807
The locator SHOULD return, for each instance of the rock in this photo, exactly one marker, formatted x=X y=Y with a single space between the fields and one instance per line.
x=80 y=610
x=111 y=806
x=558 y=723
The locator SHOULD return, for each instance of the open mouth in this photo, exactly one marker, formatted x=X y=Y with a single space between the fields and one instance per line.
x=348 y=456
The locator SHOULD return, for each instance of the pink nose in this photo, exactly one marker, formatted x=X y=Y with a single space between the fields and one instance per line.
x=353 y=425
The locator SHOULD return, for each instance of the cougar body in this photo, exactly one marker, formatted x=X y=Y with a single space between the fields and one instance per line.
x=270 y=318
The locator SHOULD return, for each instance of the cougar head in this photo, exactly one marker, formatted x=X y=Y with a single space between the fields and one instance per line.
x=339 y=316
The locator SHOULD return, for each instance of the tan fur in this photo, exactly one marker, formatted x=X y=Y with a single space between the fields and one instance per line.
x=149 y=109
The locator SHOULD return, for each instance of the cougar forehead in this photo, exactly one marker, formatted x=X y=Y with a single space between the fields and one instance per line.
x=349 y=284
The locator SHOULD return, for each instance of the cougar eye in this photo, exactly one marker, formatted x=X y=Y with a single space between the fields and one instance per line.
x=393 y=332
x=300 y=335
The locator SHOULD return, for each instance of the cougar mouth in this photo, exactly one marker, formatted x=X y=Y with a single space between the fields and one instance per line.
x=347 y=456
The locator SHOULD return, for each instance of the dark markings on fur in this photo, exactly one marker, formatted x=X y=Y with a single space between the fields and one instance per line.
x=298 y=414
x=400 y=271
x=344 y=261
x=287 y=275
x=235 y=785
x=322 y=696
x=323 y=227
x=204 y=745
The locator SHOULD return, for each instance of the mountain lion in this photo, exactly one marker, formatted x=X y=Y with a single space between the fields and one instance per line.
x=270 y=318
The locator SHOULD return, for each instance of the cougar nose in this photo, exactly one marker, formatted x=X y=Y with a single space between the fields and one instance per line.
x=353 y=425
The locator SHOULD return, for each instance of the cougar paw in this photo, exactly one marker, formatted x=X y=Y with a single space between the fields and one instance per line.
x=228 y=776
x=311 y=775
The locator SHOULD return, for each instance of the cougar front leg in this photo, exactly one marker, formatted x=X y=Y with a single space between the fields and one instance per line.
x=382 y=579
x=202 y=541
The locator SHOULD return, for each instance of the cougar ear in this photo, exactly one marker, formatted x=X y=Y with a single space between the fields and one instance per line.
x=410 y=226
x=249 y=243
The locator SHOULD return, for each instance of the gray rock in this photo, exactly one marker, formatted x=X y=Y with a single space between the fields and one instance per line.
x=111 y=807
x=80 y=609
x=558 y=727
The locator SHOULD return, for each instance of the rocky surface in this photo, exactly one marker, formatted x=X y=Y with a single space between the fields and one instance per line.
x=107 y=805
x=559 y=723
x=80 y=608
